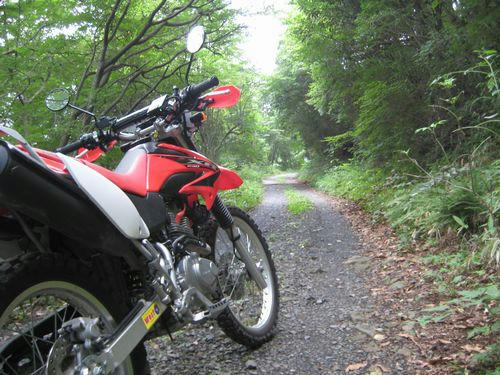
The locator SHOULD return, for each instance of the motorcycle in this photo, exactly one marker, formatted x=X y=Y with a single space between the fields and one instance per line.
x=94 y=262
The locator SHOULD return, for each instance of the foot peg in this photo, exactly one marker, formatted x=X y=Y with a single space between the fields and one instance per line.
x=212 y=311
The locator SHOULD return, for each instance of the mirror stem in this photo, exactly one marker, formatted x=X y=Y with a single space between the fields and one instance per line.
x=189 y=68
x=82 y=110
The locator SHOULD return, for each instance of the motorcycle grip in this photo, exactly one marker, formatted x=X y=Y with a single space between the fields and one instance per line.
x=73 y=146
x=199 y=88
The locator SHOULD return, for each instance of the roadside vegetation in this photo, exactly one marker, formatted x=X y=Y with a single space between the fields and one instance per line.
x=397 y=106
x=297 y=203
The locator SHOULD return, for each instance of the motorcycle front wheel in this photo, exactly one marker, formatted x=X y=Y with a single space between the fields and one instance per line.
x=39 y=292
x=252 y=314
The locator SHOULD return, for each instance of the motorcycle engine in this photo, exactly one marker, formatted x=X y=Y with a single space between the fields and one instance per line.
x=197 y=272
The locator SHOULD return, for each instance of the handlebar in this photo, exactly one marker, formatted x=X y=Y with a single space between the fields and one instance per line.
x=70 y=147
x=188 y=96
x=129 y=119
x=88 y=141
x=194 y=91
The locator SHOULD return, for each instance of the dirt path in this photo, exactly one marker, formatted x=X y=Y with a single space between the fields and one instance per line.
x=327 y=321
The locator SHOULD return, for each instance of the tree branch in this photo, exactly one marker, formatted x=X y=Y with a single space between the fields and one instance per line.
x=109 y=21
x=86 y=74
x=222 y=142
x=164 y=77
x=120 y=20
x=137 y=38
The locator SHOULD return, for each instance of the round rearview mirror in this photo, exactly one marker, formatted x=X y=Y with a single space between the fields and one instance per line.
x=195 y=39
x=57 y=99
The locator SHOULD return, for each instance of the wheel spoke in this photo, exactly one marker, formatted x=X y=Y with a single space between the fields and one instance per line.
x=39 y=371
x=4 y=362
x=28 y=335
x=235 y=284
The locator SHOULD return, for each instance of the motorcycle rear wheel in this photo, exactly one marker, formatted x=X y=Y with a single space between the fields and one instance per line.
x=41 y=291
x=252 y=315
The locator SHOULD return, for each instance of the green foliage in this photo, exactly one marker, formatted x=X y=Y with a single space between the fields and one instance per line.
x=488 y=361
x=364 y=66
x=297 y=203
x=411 y=97
x=352 y=181
x=450 y=198
x=386 y=120
x=483 y=297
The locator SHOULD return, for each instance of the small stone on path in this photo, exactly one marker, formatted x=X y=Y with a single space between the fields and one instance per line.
x=251 y=364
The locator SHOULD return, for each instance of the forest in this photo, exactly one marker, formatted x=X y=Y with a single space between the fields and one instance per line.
x=393 y=104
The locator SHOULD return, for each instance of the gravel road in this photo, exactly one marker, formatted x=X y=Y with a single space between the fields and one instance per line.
x=327 y=322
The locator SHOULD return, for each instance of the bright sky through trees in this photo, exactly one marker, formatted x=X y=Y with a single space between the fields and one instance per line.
x=265 y=28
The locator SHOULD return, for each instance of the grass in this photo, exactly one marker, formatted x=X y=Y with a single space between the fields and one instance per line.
x=297 y=203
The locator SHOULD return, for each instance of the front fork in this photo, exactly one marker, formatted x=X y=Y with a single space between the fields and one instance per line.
x=226 y=222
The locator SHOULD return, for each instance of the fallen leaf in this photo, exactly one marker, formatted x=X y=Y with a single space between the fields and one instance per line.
x=355 y=366
x=379 y=337
x=383 y=368
x=473 y=348
x=405 y=335
x=442 y=341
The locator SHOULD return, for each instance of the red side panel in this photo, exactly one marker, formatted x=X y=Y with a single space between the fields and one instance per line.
x=207 y=192
x=160 y=168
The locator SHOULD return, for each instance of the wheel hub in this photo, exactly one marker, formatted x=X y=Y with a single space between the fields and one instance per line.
x=78 y=339
x=62 y=357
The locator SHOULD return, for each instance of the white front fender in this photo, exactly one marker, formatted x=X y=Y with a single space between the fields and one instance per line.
x=108 y=197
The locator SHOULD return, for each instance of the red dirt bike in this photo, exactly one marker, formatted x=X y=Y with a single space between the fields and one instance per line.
x=93 y=262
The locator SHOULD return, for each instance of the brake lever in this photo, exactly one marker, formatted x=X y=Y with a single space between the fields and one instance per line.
x=203 y=104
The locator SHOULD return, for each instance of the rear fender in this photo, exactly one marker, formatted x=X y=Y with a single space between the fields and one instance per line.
x=52 y=199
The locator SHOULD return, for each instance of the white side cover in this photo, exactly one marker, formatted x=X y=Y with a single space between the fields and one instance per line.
x=18 y=137
x=109 y=198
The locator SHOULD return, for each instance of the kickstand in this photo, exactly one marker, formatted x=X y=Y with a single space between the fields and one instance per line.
x=169 y=334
